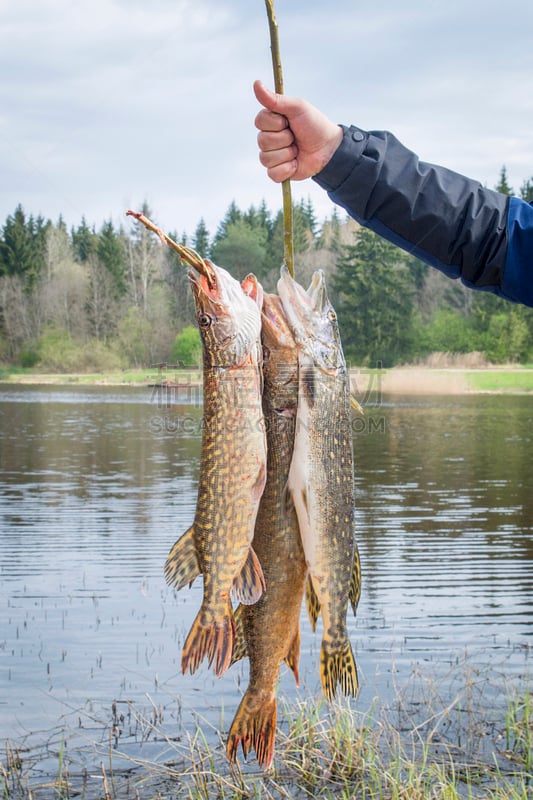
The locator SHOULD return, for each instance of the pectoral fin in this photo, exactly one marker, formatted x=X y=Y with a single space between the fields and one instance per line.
x=355 y=581
x=182 y=565
x=312 y=602
x=249 y=585
x=292 y=659
x=240 y=648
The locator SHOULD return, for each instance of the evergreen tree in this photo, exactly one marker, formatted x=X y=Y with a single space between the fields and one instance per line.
x=309 y=213
x=503 y=184
x=110 y=252
x=242 y=250
x=526 y=190
x=200 y=240
x=375 y=301
x=84 y=241
x=21 y=250
x=233 y=214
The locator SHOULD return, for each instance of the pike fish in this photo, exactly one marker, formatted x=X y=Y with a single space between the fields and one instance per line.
x=321 y=480
x=232 y=469
x=269 y=631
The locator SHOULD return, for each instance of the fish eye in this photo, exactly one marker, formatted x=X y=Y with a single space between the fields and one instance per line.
x=204 y=321
x=331 y=315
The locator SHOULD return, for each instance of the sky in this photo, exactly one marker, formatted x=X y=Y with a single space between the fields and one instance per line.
x=106 y=104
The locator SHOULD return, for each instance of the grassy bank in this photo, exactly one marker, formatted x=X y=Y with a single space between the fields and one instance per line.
x=476 y=745
x=366 y=383
x=126 y=377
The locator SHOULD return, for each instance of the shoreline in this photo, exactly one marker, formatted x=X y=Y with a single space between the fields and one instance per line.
x=365 y=382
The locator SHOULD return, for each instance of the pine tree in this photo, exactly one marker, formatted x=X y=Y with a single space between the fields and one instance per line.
x=84 y=241
x=375 y=300
x=21 y=251
x=200 y=240
x=233 y=214
x=526 y=190
x=503 y=184
x=110 y=252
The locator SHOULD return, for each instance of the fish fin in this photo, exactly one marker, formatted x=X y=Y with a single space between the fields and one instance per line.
x=210 y=638
x=251 y=287
x=354 y=593
x=249 y=584
x=312 y=602
x=305 y=495
x=240 y=646
x=292 y=659
x=182 y=565
x=338 y=667
x=254 y=728
x=287 y=503
x=259 y=484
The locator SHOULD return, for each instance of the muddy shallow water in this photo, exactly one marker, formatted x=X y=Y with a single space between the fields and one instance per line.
x=97 y=483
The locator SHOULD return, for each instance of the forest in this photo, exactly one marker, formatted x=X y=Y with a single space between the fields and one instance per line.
x=89 y=299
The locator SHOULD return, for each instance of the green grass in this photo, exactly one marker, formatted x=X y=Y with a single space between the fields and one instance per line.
x=419 y=747
x=501 y=380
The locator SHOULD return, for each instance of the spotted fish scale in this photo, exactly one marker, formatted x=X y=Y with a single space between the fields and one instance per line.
x=232 y=470
x=269 y=631
x=321 y=480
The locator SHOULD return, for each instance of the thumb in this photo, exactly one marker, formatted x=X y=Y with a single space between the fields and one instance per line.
x=278 y=103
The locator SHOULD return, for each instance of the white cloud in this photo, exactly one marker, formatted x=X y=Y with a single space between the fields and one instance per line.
x=104 y=104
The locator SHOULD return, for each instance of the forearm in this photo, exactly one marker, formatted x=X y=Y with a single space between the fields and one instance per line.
x=441 y=217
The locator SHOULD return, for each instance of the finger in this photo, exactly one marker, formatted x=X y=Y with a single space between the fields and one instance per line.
x=264 y=96
x=269 y=140
x=275 y=158
x=280 y=103
x=283 y=172
x=270 y=121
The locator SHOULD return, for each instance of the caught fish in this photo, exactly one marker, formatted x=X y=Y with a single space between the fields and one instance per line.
x=232 y=469
x=321 y=480
x=269 y=631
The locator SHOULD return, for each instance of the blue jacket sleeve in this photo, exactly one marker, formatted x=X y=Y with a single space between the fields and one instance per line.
x=447 y=220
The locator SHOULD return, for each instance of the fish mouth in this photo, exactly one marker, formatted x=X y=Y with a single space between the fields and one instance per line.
x=274 y=326
x=312 y=320
x=302 y=308
x=233 y=308
x=317 y=292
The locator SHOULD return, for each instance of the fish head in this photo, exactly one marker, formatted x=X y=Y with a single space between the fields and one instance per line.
x=313 y=320
x=228 y=317
x=280 y=355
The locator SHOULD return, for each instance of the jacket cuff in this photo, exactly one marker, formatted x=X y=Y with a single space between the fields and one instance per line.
x=343 y=159
x=517 y=283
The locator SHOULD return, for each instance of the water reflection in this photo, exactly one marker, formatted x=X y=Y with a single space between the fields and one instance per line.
x=96 y=485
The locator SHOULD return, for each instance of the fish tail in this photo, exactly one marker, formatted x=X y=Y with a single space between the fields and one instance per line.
x=338 y=668
x=254 y=729
x=209 y=638
x=182 y=565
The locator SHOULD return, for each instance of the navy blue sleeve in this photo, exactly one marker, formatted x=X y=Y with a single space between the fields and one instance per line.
x=447 y=220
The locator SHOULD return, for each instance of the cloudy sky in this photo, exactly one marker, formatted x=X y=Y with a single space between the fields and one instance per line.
x=107 y=103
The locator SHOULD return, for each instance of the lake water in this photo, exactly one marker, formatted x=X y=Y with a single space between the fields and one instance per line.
x=97 y=483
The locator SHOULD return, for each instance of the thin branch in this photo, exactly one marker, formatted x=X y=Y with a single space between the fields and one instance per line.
x=187 y=254
x=288 y=241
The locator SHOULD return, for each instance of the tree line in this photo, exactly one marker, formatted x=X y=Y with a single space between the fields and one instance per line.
x=97 y=299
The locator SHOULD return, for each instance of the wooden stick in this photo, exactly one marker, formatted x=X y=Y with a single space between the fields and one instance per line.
x=288 y=240
x=187 y=254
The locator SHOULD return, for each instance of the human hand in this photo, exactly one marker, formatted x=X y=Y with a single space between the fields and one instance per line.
x=295 y=139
